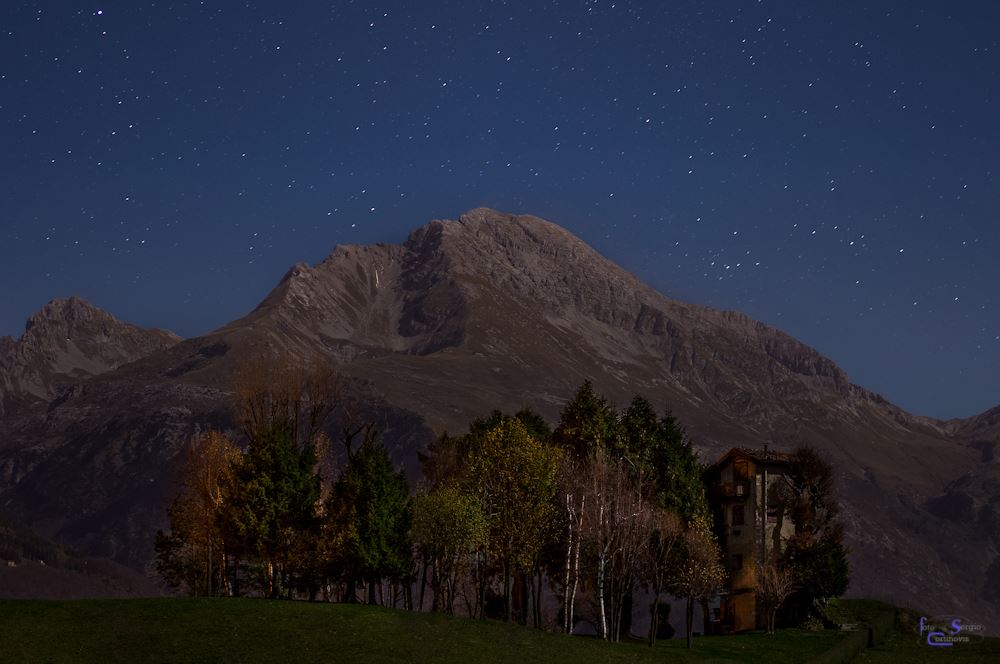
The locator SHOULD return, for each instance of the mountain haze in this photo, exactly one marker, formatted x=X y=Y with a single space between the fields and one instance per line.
x=504 y=311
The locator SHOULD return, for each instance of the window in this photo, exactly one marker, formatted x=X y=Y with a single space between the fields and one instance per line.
x=738 y=514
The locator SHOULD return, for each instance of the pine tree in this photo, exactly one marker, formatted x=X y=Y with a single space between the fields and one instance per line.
x=374 y=503
x=586 y=423
x=272 y=504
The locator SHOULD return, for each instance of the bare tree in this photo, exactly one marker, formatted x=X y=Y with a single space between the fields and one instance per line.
x=664 y=546
x=618 y=520
x=575 y=495
x=272 y=388
x=774 y=584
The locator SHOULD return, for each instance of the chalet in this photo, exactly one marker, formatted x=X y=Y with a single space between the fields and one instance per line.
x=750 y=528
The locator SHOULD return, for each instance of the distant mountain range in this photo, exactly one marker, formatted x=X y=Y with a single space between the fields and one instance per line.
x=491 y=311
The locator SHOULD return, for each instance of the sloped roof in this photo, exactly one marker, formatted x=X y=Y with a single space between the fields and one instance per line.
x=766 y=455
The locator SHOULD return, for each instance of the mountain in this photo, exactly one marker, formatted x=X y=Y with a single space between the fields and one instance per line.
x=65 y=342
x=503 y=311
x=32 y=567
x=983 y=428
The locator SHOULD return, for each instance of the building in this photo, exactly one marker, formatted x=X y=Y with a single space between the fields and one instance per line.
x=750 y=528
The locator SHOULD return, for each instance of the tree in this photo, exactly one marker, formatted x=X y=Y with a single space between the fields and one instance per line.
x=374 y=501
x=279 y=389
x=273 y=496
x=573 y=490
x=662 y=465
x=586 y=424
x=193 y=555
x=448 y=530
x=447 y=458
x=661 y=556
x=660 y=448
x=515 y=477
x=618 y=523
x=698 y=574
x=774 y=584
x=815 y=554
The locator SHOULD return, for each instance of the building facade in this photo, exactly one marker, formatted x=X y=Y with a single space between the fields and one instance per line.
x=745 y=490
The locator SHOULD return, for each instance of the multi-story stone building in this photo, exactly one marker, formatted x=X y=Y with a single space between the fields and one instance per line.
x=745 y=491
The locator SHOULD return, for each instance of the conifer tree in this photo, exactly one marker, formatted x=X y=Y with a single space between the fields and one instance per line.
x=375 y=501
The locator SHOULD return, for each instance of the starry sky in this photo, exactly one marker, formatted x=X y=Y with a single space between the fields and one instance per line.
x=829 y=167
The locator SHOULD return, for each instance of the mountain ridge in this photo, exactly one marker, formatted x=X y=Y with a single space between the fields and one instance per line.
x=494 y=310
x=68 y=340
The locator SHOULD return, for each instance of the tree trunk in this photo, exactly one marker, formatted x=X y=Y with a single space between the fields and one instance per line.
x=690 y=618
x=423 y=584
x=653 y=618
x=508 y=610
x=705 y=618
x=482 y=587
x=522 y=598
x=209 y=584
x=371 y=591
x=538 y=600
x=625 y=615
x=569 y=560
x=602 y=616
x=576 y=582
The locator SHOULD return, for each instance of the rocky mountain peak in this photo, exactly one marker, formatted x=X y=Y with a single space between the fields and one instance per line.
x=66 y=340
x=67 y=314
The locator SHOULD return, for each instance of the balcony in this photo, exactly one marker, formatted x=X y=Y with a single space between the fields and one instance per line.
x=732 y=489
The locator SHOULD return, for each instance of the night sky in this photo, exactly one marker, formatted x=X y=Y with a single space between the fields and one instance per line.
x=828 y=167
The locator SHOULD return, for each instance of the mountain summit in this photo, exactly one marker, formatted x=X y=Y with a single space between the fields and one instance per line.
x=494 y=310
x=68 y=341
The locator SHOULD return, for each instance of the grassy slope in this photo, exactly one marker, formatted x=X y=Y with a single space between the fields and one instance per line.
x=232 y=630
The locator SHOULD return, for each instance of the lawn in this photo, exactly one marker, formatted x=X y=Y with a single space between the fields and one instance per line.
x=905 y=645
x=246 y=630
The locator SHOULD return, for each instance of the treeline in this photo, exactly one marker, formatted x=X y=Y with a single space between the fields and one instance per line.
x=278 y=519
x=605 y=505
x=510 y=519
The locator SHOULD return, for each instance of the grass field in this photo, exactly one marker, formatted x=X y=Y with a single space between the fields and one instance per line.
x=905 y=645
x=244 y=630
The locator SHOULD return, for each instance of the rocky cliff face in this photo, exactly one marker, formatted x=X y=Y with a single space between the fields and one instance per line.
x=503 y=311
x=68 y=341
